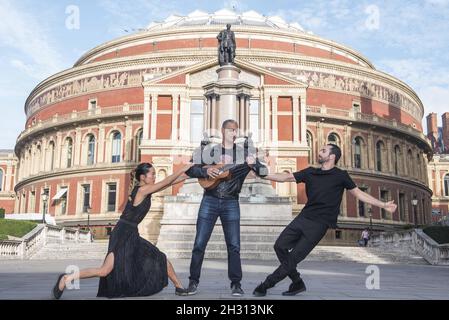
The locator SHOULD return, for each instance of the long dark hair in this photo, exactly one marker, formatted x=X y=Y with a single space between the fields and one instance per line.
x=141 y=169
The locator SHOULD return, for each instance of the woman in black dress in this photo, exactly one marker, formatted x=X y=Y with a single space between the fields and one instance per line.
x=133 y=266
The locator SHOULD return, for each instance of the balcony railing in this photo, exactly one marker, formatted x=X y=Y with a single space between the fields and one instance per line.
x=57 y=119
x=371 y=119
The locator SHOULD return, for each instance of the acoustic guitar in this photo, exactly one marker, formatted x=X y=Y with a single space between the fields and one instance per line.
x=224 y=169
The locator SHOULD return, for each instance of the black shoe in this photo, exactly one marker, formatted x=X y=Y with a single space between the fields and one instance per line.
x=193 y=286
x=181 y=292
x=261 y=290
x=295 y=288
x=56 y=292
x=236 y=290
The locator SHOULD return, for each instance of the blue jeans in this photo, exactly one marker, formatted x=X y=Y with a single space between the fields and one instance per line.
x=229 y=212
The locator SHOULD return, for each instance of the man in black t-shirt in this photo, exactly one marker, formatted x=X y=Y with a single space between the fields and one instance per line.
x=324 y=189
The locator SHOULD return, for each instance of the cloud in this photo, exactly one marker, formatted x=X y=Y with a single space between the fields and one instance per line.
x=22 y=33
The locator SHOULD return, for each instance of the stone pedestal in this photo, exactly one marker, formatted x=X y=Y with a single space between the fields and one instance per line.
x=263 y=214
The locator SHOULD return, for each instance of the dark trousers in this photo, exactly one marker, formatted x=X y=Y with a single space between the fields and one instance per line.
x=229 y=212
x=293 y=245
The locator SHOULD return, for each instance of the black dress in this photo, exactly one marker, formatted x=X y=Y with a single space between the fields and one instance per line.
x=140 y=269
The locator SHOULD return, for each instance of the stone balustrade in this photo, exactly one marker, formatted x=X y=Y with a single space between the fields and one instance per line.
x=38 y=238
x=418 y=241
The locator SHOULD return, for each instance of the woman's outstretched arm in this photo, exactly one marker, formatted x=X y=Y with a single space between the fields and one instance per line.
x=149 y=189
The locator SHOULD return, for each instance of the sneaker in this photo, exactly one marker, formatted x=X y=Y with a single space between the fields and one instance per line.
x=295 y=288
x=236 y=290
x=193 y=286
x=261 y=290
x=181 y=292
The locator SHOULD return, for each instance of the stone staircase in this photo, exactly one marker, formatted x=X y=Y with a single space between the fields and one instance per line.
x=216 y=249
x=72 y=251
x=259 y=246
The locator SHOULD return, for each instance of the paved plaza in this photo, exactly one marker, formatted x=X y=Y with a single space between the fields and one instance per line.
x=33 y=279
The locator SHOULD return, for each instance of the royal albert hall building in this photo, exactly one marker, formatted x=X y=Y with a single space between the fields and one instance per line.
x=144 y=97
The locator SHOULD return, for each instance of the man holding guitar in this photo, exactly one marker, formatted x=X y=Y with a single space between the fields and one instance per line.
x=221 y=171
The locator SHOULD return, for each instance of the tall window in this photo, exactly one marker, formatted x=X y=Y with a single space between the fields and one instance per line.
x=254 y=119
x=334 y=139
x=358 y=153
x=86 y=197
x=446 y=185
x=112 y=192
x=52 y=155
x=310 y=145
x=361 y=205
x=196 y=120
x=379 y=147
x=402 y=207
x=1 y=180
x=139 y=138
x=384 y=197
x=397 y=151
x=69 y=142
x=116 y=147
x=90 y=150
x=63 y=202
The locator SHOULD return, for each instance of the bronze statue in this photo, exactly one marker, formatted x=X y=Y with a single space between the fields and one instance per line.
x=226 y=46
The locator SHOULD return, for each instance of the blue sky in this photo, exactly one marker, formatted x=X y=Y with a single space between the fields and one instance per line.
x=408 y=39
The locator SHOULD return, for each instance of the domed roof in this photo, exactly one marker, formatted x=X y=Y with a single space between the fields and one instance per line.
x=224 y=16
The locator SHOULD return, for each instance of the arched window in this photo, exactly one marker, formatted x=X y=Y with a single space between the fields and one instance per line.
x=334 y=139
x=116 y=146
x=1 y=180
x=69 y=144
x=139 y=138
x=90 y=149
x=52 y=155
x=310 y=145
x=446 y=185
x=379 y=150
x=397 y=152
x=358 y=152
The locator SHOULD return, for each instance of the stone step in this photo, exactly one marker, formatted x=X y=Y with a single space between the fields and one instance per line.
x=64 y=251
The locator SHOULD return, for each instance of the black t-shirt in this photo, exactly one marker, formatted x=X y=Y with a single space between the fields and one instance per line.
x=324 y=189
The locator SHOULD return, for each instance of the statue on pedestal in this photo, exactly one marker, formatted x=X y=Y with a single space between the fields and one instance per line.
x=226 y=46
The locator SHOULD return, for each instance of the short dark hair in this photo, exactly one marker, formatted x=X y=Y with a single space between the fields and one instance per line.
x=229 y=121
x=335 y=150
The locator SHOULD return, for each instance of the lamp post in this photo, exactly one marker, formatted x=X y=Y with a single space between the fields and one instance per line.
x=414 y=204
x=370 y=213
x=44 y=209
x=88 y=221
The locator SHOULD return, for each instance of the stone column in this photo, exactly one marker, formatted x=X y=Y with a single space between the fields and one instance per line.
x=241 y=111
x=154 y=98
x=174 y=127
x=438 y=182
x=390 y=153
x=185 y=119
x=101 y=143
x=371 y=151
x=348 y=146
x=297 y=125
x=78 y=142
x=128 y=140
x=146 y=117
x=58 y=150
x=275 y=118
x=8 y=176
x=266 y=120
x=246 y=112
x=215 y=126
